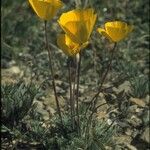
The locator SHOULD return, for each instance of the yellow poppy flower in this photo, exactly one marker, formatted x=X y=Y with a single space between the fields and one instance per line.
x=116 y=30
x=46 y=9
x=78 y=24
x=68 y=46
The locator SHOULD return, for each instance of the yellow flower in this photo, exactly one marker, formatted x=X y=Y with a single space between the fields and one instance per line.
x=78 y=24
x=69 y=47
x=116 y=30
x=46 y=9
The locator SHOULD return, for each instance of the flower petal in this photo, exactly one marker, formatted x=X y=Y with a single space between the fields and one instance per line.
x=68 y=47
x=78 y=24
x=76 y=31
x=115 y=24
x=104 y=33
x=116 y=34
x=46 y=9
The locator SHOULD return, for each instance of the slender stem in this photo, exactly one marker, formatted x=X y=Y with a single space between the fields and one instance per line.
x=52 y=74
x=74 y=66
x=94 y=99
x=77 y=94
x=106 y=73
x=108 y=127
x=86 y=3
x=78 y=3
x=90 y=118
x=71 y=92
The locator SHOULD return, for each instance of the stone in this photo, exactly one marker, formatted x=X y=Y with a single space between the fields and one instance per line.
x=146 y=135
x=137 y=101
x=128 y=131
x=132 y=108
x=147 y=99
x=125 y=87
x=134 y=121
x=130 y=147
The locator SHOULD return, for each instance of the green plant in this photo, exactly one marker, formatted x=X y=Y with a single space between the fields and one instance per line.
x=100 y=136
x=17 y=100
x=139 y=86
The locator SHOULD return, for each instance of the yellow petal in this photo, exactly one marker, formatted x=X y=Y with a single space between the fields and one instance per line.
x=104 y=33
x=90 y=24
x=117 y=30
x=46 y=9
x=116 y=34
x=76 y=15
x=77 y=31
x=69 y=17
x=68 y=47
x=115 y=24
x=61 y=43
x=86 y=14
x=84 y=45
x=129 y=28
x=78 y=24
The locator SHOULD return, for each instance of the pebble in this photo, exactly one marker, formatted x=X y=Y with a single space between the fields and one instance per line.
x=146 y=135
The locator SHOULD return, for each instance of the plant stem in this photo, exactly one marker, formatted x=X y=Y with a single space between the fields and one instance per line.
x=106 y=73
x=90 y=119
x=78 y=3
x=77 y=94
x=94 y=99
x=52 y=74
x=71 y=92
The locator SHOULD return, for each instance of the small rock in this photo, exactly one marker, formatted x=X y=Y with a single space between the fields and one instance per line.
x=135 y=133
x=146 y=135
x=50 y=110
x=15 y=70
x=46 y=117
x=108 y=148
x=120 y=139
x=145 y=117
x=101 y=115
x=4 y=64
x=12 y=63
x=138 y=102
x=139 y=112
x=125 y=87
x=147 y=99
x=60 y=90
x=132 y=109
x=128 y=132
x=130 y=147
x=118 y=147
x=134 y=121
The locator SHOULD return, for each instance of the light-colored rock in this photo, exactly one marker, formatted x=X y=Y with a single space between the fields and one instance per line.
x=146 y=135
x=14 y=70
x=130 y=147
x=128 y=131
x=126 y=86
x=137 y=101
x=147 y=99
x=134 y=121
x=132 y=108
x=120 y=139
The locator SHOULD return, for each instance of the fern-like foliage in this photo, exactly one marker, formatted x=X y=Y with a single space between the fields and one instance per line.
x=16 y=101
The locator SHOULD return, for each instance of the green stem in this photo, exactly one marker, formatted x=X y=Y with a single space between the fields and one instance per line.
x=106 y=73
x=71 y=92
x=94 y=99
x=52 y=74
x=77 y=94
